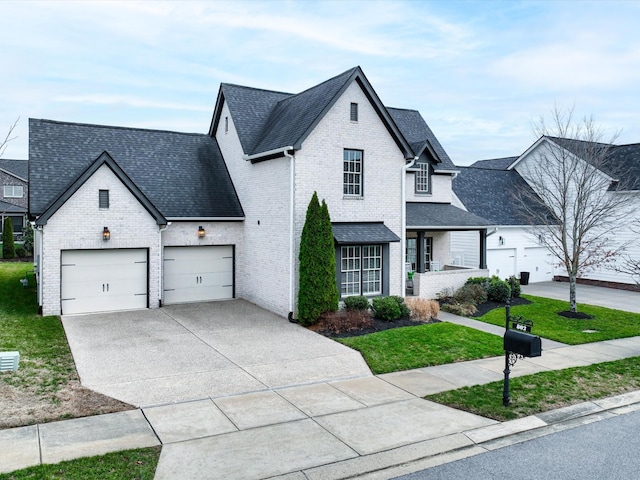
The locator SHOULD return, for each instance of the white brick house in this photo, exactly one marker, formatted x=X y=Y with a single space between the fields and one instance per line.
x=384 y=176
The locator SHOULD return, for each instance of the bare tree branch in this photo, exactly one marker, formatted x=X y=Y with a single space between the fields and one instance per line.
x=8 y=138
x=573 y=205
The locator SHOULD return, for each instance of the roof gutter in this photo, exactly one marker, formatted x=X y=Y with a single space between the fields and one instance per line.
x=282 y=150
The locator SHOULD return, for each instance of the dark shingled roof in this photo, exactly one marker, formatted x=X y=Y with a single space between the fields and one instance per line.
x=622 y=162
x=489 y=192
x=267 y=120
x=183 y=175
x=18 y=168
x=442 y=215
x=495 y=163
x=6 y=207
x=420 y=137
x=354 y=233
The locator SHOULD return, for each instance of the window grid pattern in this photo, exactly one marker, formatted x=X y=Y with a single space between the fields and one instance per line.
x=411 y=253
x=354 y=112
x=352 y=172
x=350 y=271
x=428 y=252
x=103 y=198
x=13 y=191
x=371 y=269
x=422 y=179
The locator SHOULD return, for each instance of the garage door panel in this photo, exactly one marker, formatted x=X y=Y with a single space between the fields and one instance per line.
x=539 y=263
x=501 y=262
x=103 y=280
x=197 y=274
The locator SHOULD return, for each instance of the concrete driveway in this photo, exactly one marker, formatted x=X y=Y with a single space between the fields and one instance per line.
x=194 y=351
x=589 y=294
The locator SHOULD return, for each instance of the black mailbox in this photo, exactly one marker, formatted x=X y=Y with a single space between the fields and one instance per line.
x=522 y=343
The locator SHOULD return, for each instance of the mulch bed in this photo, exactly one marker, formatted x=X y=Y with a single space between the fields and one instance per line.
x=377 y=325
x=575 y=315
x=489 y=305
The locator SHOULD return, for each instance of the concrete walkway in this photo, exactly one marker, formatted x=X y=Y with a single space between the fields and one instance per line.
x=373 y=427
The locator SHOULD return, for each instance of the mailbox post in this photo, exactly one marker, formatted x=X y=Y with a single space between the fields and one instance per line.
x=518 y=343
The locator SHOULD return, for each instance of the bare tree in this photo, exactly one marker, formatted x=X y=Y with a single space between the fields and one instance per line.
x=8 y=138
x=570 y=172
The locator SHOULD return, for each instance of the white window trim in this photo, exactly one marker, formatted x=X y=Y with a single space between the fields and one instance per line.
x=10 y=191
x=352 y=172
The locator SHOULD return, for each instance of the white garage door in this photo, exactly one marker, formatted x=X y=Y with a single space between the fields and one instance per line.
x=501 y=262
x=539 y=263
x=198 y=274
x=103 y=280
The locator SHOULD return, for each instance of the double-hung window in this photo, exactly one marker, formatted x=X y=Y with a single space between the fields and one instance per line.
x=361 y=270
x=13 y=191
x=352 y=173
x=423 y=178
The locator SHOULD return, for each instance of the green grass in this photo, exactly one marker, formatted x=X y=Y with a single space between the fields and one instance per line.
x=545 y=391
x=45 y=358
x=423 y=346
x=608 y=323
x=131 y=465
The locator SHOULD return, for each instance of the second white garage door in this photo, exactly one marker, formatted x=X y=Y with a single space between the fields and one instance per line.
x=198 y=274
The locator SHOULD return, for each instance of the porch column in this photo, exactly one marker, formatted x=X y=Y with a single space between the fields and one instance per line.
x=483 y=248
x=420 y=252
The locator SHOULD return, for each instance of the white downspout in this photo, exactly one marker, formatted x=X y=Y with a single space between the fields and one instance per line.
x=403 y=219
x=161 y=266
x=292 y=179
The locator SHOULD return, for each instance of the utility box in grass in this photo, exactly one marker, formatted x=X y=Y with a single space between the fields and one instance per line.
x=9 y=361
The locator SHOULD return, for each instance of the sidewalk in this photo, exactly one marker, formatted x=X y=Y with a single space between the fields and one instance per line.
x=373 y=427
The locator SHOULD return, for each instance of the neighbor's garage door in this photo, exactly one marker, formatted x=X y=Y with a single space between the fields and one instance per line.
x=501 y=262
x=103 y=280
x=198 y=274
x=539 y=263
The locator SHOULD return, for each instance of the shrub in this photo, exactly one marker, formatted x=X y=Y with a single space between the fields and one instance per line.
x=27 y=238
x=21 y=252
x=484 y=282
x=445 y=294
x=8 y=247
x=470 y=293
x=356 y=303
x=514 y=283
x=318 y=291
x=386 y=308
x=462 y=309
x=499 y=290
x=422 y=309
x=404 y=310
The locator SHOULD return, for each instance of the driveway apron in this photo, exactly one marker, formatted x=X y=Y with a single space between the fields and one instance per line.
x=194 y=351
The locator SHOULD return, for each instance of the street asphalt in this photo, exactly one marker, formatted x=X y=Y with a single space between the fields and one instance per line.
x=294 y=425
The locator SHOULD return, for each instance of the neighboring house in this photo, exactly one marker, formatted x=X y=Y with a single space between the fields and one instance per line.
x=129 y=218
x=489 y=189
x=620 y=172
x=15 y=190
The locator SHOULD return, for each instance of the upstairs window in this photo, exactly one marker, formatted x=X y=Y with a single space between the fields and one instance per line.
x=352 y=173
x=103 y=198
x=13 y=191
x=423 y=178
x=226 y=124
x=354 y=112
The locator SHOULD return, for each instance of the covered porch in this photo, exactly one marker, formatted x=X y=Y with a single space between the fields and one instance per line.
x=428 y=263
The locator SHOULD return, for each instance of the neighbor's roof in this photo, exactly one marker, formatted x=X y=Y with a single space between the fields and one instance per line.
x=442 y=216
x=183 y=175
x=421 y=138
x=495 y=164
x=268 y=120
x=363 y=232
x=492 y=193
x=17 y=168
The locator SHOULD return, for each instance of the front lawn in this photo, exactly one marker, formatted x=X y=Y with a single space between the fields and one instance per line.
x=46 y=385
x=131 y=464
x=423 y=346
x=541 y=392
x=606 y=324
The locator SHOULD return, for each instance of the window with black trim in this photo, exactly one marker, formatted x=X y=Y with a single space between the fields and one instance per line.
x=423 y=178
x=354 y=112
x=352 y=173
x=103 y=198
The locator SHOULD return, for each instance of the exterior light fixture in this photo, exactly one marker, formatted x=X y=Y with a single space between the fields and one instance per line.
x=500 y=241
x=201 y=232
x=106 y=234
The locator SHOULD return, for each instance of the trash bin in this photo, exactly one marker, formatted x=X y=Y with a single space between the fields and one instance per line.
x=524 y=278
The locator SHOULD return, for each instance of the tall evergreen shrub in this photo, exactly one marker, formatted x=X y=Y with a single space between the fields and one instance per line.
x=8 y=247
x=317 y=291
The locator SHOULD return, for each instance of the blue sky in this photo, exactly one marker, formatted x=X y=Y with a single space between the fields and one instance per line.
x=481 y=73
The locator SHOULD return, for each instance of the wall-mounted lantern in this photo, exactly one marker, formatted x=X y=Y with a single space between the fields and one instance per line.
x=201 y=232
x=106 y=234
x=500 y=240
